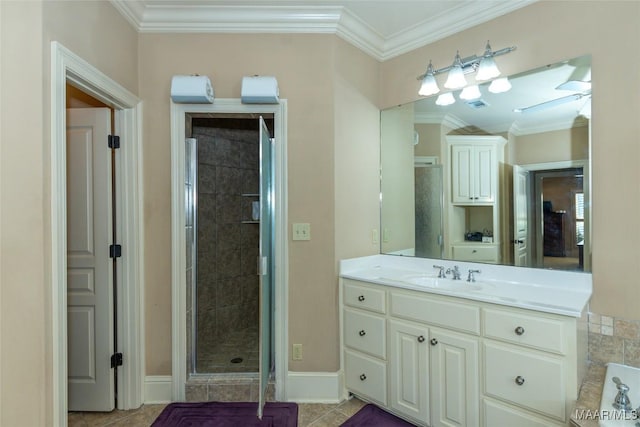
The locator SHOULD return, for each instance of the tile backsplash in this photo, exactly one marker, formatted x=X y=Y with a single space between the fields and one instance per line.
x=613 y=339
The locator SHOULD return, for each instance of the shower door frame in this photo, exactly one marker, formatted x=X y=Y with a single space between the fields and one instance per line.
x=178 y=242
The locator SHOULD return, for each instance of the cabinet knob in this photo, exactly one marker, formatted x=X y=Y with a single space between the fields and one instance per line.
x=363 y=377
x=519 y=380
x=433 y=341
x=362 y=333
x=361 y=298
x=519 y=330
x=420 y=338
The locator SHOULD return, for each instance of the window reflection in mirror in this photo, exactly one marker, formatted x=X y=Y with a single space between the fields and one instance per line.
x=503 y=178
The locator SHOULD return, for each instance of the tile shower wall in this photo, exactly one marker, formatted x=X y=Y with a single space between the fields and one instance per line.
x=614 y=339
x=227 y=283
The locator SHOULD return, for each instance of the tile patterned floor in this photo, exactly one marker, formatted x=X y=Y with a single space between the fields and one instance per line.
x=309 y=415
x=221 y=355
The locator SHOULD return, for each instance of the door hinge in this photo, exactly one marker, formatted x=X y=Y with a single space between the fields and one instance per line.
x=114 y=141
x=116 y=360
x=115 y=251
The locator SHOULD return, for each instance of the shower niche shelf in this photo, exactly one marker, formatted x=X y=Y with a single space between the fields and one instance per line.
x=251 y=221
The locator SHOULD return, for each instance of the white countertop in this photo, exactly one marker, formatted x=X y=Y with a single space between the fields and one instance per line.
x=551 y=291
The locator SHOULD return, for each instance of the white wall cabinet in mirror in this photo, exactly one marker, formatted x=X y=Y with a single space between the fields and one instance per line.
x=542 y=123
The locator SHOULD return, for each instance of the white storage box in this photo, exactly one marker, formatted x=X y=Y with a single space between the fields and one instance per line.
x=260 y=90
x=191 y=90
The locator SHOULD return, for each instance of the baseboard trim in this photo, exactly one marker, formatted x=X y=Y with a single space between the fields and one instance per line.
x=315 y=387
x=157 y=389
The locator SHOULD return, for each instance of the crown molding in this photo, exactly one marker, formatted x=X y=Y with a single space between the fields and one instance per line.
x=519 y=130
x=171 y=17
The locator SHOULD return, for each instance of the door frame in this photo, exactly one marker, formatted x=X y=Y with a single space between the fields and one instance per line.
x=178 y=243
x=566 y=164
x=67 y=67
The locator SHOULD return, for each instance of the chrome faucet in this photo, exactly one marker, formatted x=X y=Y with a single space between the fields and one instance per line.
x=471 y=277
x=622 y=401
x=455 y=271
x=441 y=274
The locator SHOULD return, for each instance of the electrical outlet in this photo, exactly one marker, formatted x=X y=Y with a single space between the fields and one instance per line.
x=374 y=236
x=297 y=352
x=302 y=231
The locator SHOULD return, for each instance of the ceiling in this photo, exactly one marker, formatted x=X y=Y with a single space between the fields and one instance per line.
x=382 y=28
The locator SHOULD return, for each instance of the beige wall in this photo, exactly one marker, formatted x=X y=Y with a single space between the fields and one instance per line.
x=430 y=143
x=95 y=31
x=554 y=146
x=23 y=289
x=308 y=85
x=602 y=28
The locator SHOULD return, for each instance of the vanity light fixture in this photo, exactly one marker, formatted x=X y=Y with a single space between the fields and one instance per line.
x=429 y=85
x=485 y=65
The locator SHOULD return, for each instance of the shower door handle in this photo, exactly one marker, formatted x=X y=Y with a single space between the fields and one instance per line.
x=262 y=265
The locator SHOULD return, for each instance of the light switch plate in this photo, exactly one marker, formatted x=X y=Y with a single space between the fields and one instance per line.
x=301 y=231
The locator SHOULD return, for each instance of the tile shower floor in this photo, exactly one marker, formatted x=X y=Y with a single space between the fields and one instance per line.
x=237 y=351
x=309 y=415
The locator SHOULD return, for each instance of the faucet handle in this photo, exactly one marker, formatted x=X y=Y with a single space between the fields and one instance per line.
x=471 y=277
x=441 y=272
x=622 y=401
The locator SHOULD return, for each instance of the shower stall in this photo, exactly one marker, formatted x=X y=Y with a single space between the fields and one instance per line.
x=228 y=235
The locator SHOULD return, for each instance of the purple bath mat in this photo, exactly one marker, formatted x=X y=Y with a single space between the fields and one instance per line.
x=227 y=414
x=372 y=416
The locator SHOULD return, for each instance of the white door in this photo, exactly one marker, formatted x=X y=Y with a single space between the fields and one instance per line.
x=409 y=371
x=520 y=217
x=90 y=328
x=454 y=380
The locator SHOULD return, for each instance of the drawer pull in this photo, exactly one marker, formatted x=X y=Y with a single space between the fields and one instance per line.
x=519 y=330
x=420 y=338
x=433 y=341
x=361 y=298
x=519 y=380
x=363 y=377
x=362 y=333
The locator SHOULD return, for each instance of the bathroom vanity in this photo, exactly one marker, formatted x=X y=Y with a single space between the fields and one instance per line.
x=506 y=350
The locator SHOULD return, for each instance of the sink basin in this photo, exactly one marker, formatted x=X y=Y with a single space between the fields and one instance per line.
x=444 y=284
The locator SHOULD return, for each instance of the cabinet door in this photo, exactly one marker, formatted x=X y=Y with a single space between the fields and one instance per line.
x=409 y=369
x=454 y=379
x=461 y=174
x=484 y=173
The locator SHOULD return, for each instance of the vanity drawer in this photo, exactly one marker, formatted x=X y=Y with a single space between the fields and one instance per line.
x=523 y=329
x=365 y=332
x=476 y=253
x=496 y=414
x=435 y=311
x=364 y=297
x=530 y=379
x=366 y=376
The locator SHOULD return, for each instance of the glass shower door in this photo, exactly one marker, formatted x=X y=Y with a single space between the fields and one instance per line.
x=429 y=207
x=265 y=261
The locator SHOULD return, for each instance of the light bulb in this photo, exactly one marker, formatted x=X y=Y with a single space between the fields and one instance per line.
x=455 y=79
x=445 y=99
x=470 y=92
x=500 y=85
x=487 y=68
x=429 y=85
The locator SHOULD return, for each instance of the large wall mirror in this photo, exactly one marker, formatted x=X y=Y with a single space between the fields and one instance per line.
x=500 y=177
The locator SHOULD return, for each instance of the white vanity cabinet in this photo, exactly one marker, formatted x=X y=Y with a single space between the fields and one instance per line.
x=439 y=360
x=474 y=170
x=474 y=164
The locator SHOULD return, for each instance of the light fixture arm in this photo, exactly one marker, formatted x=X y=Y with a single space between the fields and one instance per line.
x=470 y=63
